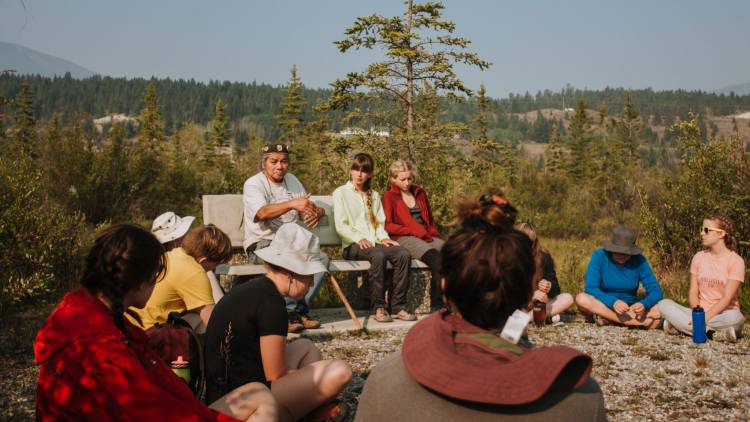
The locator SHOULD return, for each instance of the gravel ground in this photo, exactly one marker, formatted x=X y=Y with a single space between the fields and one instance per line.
x=644 y=375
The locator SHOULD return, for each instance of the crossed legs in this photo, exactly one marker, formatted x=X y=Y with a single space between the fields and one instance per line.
x=589 y=305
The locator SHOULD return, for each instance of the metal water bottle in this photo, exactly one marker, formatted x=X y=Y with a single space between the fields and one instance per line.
x=699 y=325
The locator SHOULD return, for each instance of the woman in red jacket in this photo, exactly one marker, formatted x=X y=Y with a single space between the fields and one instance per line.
x=95 y=365
x=408 y=219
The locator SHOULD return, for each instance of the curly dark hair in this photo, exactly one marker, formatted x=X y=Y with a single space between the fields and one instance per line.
x=123 y=258
x=488 y=265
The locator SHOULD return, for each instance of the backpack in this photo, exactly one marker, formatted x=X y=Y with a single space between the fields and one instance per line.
x=176 y=338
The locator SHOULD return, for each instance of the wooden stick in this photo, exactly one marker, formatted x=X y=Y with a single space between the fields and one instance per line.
x=348 y=307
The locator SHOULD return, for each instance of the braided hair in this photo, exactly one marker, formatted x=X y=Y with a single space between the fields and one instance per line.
x=725 y=223
x=123 y=258
x=364 y=162
x=488 y=265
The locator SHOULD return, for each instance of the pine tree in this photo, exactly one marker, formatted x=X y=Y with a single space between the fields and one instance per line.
x=630 y=129
x=290 y=121
x=419 y=47
x=508 y=160
x=555 y=158
x=24 y=122
x=220 y=125
x=482 y=120
x=150 y=120
x=579 y=140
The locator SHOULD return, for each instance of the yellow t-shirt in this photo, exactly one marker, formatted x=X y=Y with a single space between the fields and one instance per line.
x=185 y=287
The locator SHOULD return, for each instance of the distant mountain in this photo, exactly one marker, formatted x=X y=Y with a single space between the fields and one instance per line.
x=27 y=61
x=740 y=89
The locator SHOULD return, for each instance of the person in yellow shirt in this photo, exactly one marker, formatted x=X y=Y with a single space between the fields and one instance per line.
x=185 y=287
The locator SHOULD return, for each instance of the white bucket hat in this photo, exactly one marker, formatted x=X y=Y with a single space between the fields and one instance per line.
x=295 y=249
x=169 y=226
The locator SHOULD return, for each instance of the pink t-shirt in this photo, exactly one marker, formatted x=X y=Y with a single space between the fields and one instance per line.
x=713 y=273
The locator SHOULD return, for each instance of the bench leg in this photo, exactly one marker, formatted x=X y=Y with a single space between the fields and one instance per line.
x=348 y=307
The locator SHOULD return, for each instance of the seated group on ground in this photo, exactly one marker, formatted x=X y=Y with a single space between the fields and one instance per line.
x=95 y=362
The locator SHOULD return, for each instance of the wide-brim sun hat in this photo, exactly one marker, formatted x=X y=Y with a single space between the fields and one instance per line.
x=623 y=241
x=169 y=226
x=294 y=248
x=444 y=353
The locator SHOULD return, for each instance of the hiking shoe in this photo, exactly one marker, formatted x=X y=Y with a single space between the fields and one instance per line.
x=727 y=334
x=381 y=315
x=334 y=411
x=668 y=328
x=295 y=324
x=404 y=315
x=308 y=323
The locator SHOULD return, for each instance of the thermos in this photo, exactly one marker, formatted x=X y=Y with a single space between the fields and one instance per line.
x=181 y=368
x=699 y=325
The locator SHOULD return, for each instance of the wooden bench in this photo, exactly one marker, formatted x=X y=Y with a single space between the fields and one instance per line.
x=227 y=212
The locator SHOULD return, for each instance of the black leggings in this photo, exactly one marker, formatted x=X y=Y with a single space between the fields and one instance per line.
x=434 y=263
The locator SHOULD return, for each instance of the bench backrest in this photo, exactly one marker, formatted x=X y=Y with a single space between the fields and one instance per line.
x=226 y=212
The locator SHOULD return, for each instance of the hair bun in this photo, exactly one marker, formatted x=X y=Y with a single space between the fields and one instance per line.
x=486 y=214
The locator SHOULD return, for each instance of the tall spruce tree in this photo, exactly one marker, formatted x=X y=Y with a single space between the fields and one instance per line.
x=630 y=127
x=419 y=46
x=555 y=158
x=290 y=120
x=24 y=122
x=579 y=141
x=220 y=125
x=482 y=120
x=151 y=123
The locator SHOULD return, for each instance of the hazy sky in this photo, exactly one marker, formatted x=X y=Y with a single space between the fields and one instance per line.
x=665 y=44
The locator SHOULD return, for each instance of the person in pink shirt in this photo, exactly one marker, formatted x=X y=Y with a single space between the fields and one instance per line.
x=716 y=274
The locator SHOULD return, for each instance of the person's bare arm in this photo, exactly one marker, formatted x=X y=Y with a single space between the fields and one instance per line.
x=273 y=355
x=271 y=211
x=205 y=313
x=693 y=298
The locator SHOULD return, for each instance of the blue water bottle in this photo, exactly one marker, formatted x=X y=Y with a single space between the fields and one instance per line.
x=699 y=325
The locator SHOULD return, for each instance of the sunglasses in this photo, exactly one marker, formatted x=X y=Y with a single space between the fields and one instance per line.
x=707 y=230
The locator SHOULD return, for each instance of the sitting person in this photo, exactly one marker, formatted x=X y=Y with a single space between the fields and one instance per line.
x=612 y=279
x=360 y=222
x=716 y=274
x=547 y=288
x=409 y=220
x=454 y=366
x=94 y=365
x=271 y=198
x=246 y=337
x=186 y=288
x=170 y=229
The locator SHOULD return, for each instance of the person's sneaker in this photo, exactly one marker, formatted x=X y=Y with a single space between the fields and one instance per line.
x=668 y=328
x=381 y=315
x=308 y=323
x=404 y=315
x=727 y=334
x=600 y=320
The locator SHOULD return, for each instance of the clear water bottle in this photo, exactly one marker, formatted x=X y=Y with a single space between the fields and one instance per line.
x=699 y=325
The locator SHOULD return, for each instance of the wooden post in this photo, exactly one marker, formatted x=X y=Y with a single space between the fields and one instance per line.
x=348 y=307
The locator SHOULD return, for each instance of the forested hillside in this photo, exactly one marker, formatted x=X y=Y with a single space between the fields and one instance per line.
x=254 y=106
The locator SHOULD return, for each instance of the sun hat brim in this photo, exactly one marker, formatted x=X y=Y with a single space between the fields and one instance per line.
x=433 y=359
x=290 y=262
x=609 y=246
x=180 y=230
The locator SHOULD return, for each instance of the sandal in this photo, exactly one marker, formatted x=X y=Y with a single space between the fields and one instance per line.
x=381 y=315
x=334 y=411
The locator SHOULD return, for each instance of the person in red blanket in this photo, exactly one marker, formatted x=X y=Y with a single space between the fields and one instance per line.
x=95 y=365
x=409 y=220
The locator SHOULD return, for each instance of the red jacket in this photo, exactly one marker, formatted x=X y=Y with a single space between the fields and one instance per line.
x=398 y=219
x=90 y=371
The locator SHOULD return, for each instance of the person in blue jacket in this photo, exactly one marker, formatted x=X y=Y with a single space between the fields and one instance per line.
x=612 y=279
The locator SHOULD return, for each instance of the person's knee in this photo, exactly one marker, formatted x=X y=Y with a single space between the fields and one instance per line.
x=402 y=255
x=377 y=256
x=337 y=375
x=583 y=300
